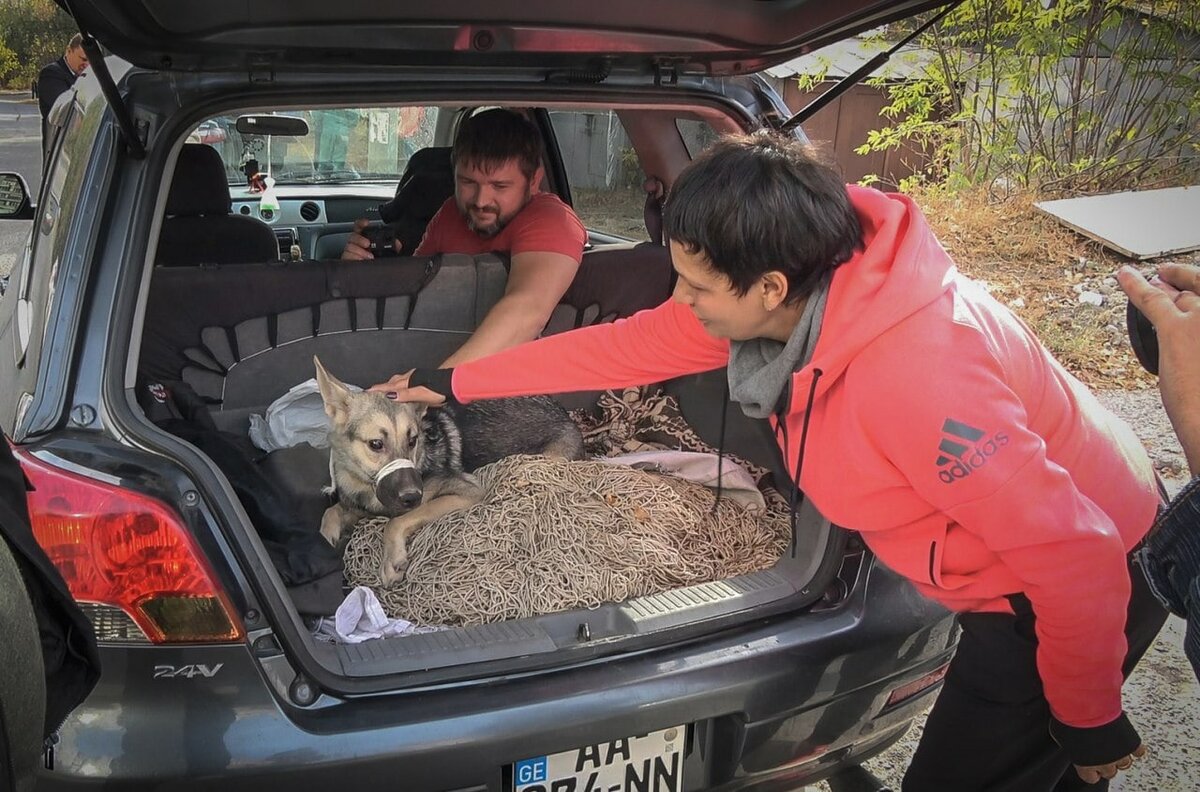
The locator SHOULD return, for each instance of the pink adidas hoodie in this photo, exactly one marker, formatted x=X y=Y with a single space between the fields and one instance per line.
x=971 y=462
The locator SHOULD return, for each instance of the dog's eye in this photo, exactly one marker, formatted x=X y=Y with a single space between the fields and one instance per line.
x=412 y=438
x=375 y=445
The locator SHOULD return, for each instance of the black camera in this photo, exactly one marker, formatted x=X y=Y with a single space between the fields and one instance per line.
x=381 y=240
x=1142 y=337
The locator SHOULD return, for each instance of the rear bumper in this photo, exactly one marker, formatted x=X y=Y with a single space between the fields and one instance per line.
x=775 y=704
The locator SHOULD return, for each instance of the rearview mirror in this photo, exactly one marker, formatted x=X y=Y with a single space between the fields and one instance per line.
x=14 y=198
x=271 y=125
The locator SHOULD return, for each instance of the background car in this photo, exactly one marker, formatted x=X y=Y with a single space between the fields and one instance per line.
x=209 y=132
x=148 y=268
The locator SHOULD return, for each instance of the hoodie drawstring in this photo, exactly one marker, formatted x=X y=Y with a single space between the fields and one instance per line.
x=782 y=424
x=721 y=443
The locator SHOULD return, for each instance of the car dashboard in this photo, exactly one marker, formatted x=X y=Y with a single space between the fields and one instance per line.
x=313 y=218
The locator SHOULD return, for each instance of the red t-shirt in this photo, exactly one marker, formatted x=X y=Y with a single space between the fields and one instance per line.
x=544 y=225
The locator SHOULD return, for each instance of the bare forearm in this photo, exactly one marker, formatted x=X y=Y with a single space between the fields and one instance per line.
x=511 y=321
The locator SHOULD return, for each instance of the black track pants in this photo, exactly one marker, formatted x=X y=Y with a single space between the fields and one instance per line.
x=989 y=729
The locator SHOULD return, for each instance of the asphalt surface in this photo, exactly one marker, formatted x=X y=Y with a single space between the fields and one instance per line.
x=1162 y=696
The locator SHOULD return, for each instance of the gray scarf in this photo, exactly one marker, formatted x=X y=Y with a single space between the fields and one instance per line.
x=760 y=369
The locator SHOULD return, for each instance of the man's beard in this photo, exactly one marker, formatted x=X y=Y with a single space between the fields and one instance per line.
x=496 y=226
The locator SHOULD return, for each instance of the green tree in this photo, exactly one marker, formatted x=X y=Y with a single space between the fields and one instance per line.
x=35 y=32
x=1086 y=95
x=8 y=61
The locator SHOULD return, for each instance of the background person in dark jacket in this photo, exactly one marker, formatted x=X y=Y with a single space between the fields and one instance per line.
x=56 y=77
x=1171 y=554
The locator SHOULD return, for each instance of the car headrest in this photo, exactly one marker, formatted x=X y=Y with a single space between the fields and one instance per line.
x=199 y=186
x=427 y=181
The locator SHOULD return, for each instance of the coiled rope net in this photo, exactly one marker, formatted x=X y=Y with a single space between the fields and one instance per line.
x=552 y=535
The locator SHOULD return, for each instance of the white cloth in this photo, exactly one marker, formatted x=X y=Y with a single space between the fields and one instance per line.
x=360 y=618
x=736 y=483
x=296 y=417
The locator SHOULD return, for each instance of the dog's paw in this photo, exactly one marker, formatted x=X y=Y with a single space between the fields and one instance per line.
x=393 y=569
x=331 y=528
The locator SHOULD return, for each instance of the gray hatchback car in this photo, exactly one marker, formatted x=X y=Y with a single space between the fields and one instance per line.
x=156 y=267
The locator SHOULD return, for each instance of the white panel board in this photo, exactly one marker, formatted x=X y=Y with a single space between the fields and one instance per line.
x=1142 y=225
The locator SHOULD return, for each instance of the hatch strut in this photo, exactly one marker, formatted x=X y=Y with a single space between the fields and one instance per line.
x=111 y=94
x=849 y=81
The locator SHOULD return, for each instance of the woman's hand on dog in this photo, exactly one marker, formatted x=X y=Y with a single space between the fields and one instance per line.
x=397 y=389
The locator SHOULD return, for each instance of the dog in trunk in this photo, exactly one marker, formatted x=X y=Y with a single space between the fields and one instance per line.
x=413 y=464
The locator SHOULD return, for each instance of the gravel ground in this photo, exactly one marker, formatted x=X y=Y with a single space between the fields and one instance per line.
x=1162 y=696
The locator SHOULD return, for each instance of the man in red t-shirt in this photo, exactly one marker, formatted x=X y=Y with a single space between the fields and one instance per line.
x=497 y=208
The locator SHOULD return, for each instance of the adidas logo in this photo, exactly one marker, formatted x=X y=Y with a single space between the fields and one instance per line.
x=958 y=459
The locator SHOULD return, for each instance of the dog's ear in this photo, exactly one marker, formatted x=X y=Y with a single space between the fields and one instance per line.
x=334 y=394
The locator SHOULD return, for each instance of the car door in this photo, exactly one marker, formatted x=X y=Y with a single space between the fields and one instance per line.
x=25 y=311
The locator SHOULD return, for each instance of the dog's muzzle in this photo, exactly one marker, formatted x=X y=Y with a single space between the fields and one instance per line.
x=398 y=486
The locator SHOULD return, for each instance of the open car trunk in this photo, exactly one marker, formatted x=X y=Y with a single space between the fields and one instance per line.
x=715 y=37
x=240 y=336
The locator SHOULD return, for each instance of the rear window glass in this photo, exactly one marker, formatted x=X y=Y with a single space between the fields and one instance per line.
x=697 y=135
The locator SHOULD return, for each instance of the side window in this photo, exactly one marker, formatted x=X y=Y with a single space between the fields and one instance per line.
x=697 y=135
x=603 y=170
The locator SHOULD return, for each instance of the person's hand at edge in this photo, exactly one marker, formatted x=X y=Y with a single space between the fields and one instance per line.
x=1172 y=304
x=1092 y=774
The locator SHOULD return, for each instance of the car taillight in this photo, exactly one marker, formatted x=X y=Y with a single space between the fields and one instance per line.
x=122 y=549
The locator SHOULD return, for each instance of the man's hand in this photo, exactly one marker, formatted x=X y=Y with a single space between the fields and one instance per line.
x=358 y=247
x=1172 y=304
x=396 y=389
x=1093 y=773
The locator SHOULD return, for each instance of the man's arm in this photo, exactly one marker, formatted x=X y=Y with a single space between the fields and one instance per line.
x=536 y=282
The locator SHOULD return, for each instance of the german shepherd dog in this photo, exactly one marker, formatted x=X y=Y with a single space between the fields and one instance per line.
x=413 y=463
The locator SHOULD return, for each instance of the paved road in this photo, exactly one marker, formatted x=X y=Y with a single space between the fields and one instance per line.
x=20 y=151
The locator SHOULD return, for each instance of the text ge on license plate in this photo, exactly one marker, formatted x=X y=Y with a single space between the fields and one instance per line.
x=647 y=763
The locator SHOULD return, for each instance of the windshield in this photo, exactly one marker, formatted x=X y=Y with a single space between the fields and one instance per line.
x=342 y=145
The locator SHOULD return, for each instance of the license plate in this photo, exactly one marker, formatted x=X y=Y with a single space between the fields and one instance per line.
x=645 y=763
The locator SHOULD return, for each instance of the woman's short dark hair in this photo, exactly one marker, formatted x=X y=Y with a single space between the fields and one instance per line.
x=491 y=138
x=755 y=203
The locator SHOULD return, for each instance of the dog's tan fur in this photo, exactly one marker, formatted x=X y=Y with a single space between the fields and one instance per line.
x=358 y=419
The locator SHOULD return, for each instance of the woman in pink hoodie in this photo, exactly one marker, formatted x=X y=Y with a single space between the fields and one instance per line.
x=912 y=407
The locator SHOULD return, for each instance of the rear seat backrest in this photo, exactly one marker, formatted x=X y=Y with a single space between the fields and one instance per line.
x=614 y=281
x=242 y=336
